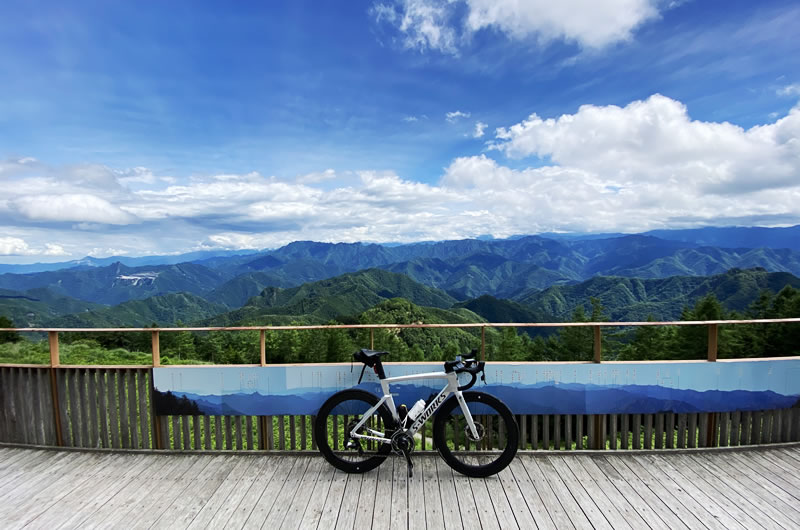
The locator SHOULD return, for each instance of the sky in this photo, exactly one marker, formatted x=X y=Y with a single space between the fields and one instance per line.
x=138 y=128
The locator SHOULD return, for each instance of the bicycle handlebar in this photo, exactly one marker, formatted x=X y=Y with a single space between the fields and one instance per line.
x=470 y=366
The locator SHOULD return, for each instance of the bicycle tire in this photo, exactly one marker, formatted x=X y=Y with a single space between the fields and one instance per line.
x=497 y=426
x=343 y=408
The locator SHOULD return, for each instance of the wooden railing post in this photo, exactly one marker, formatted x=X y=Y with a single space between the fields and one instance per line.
x=712 y=342
x=483 y=343
x=262 y=340
x=156 y=349
x=55 y=359
x=598 y=345
x=371 y=339
x=55 y=362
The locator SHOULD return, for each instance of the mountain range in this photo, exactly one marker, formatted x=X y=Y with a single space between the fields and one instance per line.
x=519 y=279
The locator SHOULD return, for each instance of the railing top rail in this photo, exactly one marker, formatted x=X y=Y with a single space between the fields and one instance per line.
x=421 y=325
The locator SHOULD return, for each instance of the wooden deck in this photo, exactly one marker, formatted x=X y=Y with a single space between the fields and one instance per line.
x=730 y=489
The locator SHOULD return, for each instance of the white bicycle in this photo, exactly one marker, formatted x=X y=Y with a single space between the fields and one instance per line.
x=474 y=432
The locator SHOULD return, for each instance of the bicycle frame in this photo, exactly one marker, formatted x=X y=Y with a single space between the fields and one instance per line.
x=427 y=412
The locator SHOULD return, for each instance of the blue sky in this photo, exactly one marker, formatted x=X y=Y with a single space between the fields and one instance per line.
x=152 y=127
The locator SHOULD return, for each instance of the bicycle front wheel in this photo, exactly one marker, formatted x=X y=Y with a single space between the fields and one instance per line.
x=494 y=447
x=336 y=419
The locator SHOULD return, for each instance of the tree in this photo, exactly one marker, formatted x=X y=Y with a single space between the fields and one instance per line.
x=8 y=335
x=511 y=346
x=649 y=343
x=691 y=342
x=575 y=343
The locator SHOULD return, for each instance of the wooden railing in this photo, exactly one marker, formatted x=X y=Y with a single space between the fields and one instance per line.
x=112 y=407
x=712 y=325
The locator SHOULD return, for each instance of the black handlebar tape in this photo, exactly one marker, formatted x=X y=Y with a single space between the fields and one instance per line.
x=473 y=378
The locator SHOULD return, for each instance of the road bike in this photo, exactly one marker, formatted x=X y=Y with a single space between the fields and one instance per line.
x=474 y=432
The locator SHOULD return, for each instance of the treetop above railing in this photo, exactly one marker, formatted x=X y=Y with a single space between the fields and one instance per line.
x=713 y=330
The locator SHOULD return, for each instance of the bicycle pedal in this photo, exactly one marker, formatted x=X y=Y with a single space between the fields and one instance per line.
x=410 y=464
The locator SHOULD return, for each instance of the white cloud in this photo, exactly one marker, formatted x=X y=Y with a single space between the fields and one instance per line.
x=454 y=116
x=603 y=168
x=443 y=25
x=423 y=23
x=789 y=90
x=317 y=176
x=480 y=127
x=590 y=23
x=14 y=246
x=75 y=207
x=656 y=141
x=52 y=249
x=409 y=119
x=99 y=252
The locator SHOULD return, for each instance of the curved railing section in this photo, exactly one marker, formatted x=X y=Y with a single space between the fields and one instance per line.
x=559 y=406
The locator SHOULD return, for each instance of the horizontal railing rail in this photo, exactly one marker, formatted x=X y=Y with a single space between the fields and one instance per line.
x=713 y=331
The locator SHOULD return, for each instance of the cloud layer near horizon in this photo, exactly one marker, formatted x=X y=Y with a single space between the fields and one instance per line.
x=604 y=168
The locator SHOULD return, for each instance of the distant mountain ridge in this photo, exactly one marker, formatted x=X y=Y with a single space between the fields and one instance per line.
x=465 y=269
x=634 y=299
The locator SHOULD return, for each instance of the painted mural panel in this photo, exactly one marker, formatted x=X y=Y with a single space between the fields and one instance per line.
x=558 y=388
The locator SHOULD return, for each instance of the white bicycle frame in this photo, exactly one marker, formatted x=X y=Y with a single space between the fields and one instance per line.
x=430 y=409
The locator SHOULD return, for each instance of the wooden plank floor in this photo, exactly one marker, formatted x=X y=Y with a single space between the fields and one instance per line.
x=741 y=489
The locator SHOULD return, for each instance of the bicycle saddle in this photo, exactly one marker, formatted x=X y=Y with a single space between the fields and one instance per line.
x=369 y=357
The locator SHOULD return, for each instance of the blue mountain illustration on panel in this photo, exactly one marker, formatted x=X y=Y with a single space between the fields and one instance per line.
x=572 y=398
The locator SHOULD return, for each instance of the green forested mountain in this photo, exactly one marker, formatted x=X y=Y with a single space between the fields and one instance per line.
x=493 y=309
x=164 y=310
x=118 y=283
x=705 y=261
x=37 y=307
x=465 y=269
x=345 y=295
x=479 y=274
x=236 y=292
x=633 y=299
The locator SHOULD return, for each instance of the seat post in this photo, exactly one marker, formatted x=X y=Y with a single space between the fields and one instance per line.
x=379 y=369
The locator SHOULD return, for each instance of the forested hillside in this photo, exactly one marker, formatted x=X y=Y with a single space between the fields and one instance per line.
x=527 y=279
x=465 y=269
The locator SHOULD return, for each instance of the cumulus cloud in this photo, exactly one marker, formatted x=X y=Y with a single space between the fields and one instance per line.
x=52 y=249
x=443 y=25
x=14 y=246
x=656 y=141
x=480 y=127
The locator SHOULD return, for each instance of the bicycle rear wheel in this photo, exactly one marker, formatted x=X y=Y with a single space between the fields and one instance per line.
x=497 y=441
x=337 y=417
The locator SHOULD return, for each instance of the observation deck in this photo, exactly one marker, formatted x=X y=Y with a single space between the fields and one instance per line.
x=725 y=489
x=705 y=444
